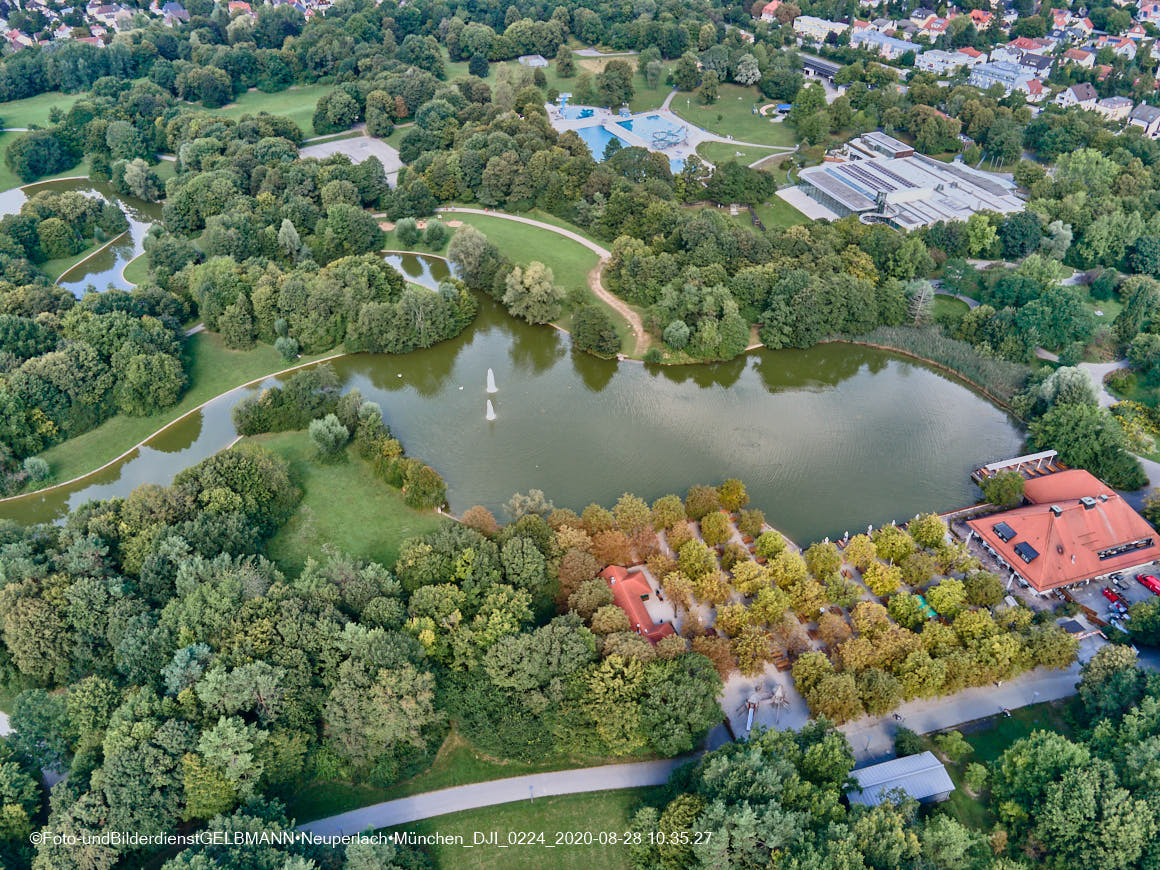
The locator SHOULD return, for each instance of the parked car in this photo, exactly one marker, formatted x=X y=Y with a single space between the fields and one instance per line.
x=1150 y=583
x=1116 y=576
x=1110 y=595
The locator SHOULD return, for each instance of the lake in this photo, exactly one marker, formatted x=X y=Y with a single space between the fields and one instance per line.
x=828 y=439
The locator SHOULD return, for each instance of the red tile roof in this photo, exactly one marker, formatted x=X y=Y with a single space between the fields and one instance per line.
x=629 y=591
x=1067 y=535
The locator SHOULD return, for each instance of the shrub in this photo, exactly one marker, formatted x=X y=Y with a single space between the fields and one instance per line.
x=287 y=347
x=407 y=231
x=953 y=745
x=37 y=469
x=423 y=486
x=436 y=235
x=975 y=775
x=329 y=437
x=906 y=742
x=480 y=519
x=593 y=331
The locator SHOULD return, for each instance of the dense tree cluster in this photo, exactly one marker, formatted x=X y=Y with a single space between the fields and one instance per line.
x=67 y=365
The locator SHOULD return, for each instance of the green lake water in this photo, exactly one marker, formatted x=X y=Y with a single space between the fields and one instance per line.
x=828 y=439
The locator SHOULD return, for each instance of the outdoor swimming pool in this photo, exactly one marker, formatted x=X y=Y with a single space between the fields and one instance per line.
x=597 y=138
x=656 y=130
x=575 y=113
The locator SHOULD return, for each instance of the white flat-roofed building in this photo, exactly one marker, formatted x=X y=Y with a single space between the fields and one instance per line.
x=1114 y=108
x=809 y=27
x=884 y=46
x=907 y=191
x=1010 y=76
x=921 y=776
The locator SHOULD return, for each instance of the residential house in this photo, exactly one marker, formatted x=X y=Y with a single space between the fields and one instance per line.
x=809 y=27
x=1120 y=45
x=1034 y=46
x=935 y=28
x=1083 y=95
x=1146 y=118
x=1081 y=57
x=172 y=11
x=769 y=9
x=1011 y=76
x=1136 y=33
x=1114 y=108
x=981 y=18
x=884 y=46
x=1148 y=10
x=1033 y=90
x=240 y=6
x=945 y=62
x=921 y=16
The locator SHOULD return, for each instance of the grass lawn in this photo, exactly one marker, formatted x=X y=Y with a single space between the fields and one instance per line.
x=723 y=152
x=990 y=739
x=569 y=261
x=33 y=111
x=343 y=504
x=603 y=811
x=214 y=369
x=55 y=268
x=137 y=269
x=457 y=762
x=732 y=115
x=296 y=103
x=948 y=306
x=779 y=213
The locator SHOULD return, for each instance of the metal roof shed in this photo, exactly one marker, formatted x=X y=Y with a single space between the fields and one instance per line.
x=921 y=776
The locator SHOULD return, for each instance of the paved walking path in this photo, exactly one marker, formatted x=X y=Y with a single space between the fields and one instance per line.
x=1098 y=372
x=144 y=441
x=594 y=282
x=499 y=791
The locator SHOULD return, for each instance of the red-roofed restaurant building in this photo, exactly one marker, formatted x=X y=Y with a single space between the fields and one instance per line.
x=630 y=591
x=1075 y=529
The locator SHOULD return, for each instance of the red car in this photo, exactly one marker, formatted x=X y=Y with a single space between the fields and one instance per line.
x=1110 y=595
x=1150 y=583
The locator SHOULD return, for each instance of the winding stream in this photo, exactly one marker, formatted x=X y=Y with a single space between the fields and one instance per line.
x=103 y=270
x=828 y=439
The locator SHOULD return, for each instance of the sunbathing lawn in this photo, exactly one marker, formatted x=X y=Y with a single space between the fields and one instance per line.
x=569 y=261
x=732 y=115
x=296 y=103
x=595 y=812
x=343 y=504
x=137 y=269
x=457 y=762
x=214 y=370
x=33 y=111
x=724 y=152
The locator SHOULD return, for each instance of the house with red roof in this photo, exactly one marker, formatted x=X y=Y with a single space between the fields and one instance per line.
x=630 y=591
x=981 y=18
x=768 y=10
x=1079 y=56
x=1074 y=529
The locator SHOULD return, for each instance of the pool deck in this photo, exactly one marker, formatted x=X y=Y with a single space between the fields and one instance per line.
x=611 y=122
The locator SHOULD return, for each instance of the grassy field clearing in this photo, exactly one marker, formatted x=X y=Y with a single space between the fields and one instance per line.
x=343 y=504
x=604 y=812
x=732 y=115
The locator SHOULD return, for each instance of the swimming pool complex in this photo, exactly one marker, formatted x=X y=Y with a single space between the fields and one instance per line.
x=576 y=113
x=597 y=138
x=655 y=129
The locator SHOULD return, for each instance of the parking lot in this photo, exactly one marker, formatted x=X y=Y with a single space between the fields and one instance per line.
x=1128 y=589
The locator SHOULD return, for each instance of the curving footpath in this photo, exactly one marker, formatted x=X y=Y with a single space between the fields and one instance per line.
x=498 y=791
x=145 y=441
x=594 y=282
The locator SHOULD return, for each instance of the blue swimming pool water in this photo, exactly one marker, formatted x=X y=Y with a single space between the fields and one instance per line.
x=676 y=164
x=648 y=125
x=574 y=113
x=597 y=138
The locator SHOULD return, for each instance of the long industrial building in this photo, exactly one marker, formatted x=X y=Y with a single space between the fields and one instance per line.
x=905 y=189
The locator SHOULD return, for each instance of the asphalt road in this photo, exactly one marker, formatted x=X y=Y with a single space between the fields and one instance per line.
x=499 y=791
